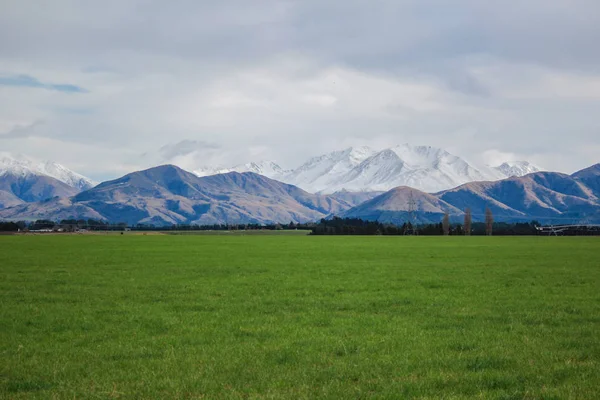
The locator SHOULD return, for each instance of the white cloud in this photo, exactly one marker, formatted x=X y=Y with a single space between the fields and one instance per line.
x=289 y=80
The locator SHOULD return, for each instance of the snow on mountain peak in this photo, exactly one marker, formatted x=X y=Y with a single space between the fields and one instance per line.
x=358 y=154
x=267 y=168
x=319 y=173
x=270 y=169
x=65 y=175
x=421 y=155
x=362 y=169
x=517 y=168
x=427 y=168
x=23 y=166
x=207 y=171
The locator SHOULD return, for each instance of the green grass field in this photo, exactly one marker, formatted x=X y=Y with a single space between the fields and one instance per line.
x=299 y=317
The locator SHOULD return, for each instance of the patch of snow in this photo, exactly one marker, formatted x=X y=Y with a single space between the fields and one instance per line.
x=516 y=168
x=23 y=166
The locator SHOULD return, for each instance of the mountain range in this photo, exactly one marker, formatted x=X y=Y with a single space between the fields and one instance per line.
x=353 y=170
x=358 y=170
x=363 y=169
x=549 y=197
x=168 y=195
x=355 y=182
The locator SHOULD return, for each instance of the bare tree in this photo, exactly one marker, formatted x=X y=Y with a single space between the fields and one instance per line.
x=446 y=224
x=489 y=221
x=468 y=221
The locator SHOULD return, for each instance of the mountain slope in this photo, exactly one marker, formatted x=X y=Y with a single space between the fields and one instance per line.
x=53 y=209
x=269 y=169
x=8 y=199
x=65 y=175
x=549 y=197
x=169 y=195
x=542 y=195
x=31 y=187
x=394 y=206
x=323 y=172
x=590 y=177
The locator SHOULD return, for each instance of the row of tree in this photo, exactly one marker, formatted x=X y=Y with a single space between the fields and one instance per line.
x=65 y=225
x=72 y=225
x=355 y=226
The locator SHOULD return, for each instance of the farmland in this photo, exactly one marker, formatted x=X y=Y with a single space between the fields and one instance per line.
x=203 y=316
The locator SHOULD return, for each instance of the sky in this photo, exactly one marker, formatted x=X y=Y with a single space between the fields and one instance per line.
x=110 y=87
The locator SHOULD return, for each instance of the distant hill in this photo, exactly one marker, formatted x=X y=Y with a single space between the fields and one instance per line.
x=167 y=195
x=549 y=197
x=393 y=207
x=354 y=198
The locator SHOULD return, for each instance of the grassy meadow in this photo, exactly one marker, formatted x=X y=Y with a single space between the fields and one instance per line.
x=201 y=316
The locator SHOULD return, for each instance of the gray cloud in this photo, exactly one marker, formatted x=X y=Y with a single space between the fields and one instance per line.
x=233 y=80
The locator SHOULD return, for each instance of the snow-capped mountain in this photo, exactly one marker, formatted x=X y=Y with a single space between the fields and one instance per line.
x=362 y=169
x=326 y=171
x=267 y=168
x=427 y=168
x=208 y=171
x=517 y=168
x=24 y=166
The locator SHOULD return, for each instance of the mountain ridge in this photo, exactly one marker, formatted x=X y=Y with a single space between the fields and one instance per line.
x=546 y=196
x=166 y=194
x=363 y=169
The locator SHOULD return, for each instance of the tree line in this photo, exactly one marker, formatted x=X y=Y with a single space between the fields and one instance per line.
x=65 y=225
x=333 y=226
x=356 y=226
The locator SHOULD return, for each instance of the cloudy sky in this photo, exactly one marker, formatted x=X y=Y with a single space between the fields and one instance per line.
x=113 y=86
